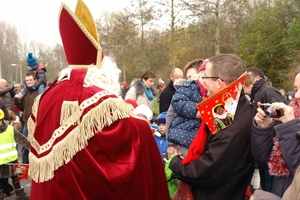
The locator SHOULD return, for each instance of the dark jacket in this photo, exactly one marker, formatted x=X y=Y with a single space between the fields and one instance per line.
x=5 y=95
x=263 y=140
x=124 y=92
x=3 y=107
x=185 y=125
x=225 y=169
x=264 y=93
x=40 y=72
x=165 y=97
x=26 y=104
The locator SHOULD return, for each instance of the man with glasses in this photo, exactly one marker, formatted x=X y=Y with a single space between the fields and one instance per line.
x=225 y=166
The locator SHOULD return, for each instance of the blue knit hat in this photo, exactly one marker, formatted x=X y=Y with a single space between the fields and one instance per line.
x=31 y=61
x=161 y=119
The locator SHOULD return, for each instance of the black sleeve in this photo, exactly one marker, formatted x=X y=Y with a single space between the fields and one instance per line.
x=273 y=95
x=206 y=172
x=262 y=143
x=3 y=91
x=164 y=101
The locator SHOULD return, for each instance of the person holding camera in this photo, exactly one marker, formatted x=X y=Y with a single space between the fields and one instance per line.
x=283 y=154
x=259 y=91
x=286 y=147
x=289 y=146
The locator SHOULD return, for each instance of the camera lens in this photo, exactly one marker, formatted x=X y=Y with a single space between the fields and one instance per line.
x=270 y=112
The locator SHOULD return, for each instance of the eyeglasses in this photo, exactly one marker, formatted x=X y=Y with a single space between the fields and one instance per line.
x=203 y=76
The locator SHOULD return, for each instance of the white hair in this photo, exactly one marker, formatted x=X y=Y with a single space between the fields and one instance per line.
x=106 y=78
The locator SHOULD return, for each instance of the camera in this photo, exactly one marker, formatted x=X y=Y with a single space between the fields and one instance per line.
x=270 y=112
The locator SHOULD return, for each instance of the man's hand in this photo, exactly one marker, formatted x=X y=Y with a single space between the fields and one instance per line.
x=170 y=151
x=263 y=121
x=178 y=152
x=17 y=85
x=198 y=115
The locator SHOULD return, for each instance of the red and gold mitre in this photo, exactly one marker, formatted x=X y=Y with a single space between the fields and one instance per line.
x=79 y=37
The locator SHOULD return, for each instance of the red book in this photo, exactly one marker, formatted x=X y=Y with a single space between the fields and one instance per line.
x=218 y=110
x=21 y=171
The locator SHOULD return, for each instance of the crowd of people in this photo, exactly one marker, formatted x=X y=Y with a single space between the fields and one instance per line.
x=87 y=136
x=16 y=102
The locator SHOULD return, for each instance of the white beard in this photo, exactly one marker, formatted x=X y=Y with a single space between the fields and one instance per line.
x=106 y=78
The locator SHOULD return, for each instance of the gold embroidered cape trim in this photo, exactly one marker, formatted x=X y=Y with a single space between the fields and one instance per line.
x=86 y=32
x=104 y=114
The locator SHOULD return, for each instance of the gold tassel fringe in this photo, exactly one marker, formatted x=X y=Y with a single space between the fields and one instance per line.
x=110 y=110
x=30 y=122
x=70 y=112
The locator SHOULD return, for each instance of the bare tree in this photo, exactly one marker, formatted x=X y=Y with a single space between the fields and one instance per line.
x=53 y=58
x=143 y=14
x=9 y=43
x=172 y=12
x=119 y=39
x=206 y=9
x=219 y=20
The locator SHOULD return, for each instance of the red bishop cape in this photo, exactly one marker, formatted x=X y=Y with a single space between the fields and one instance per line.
x=86 y=145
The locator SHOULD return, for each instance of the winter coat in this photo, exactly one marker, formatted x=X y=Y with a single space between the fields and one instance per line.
x=137 y=93
x=3 y=107
x=6 y=97
x=264 y=93
x=292 y=193
x=161 y=143
x=165 y=97
x=263 y=195
x=225 y=168
x=40 y=72
x=26 y=104
x=172 y=183
x=262 y=138
x=170 y=115
x=184 y=125
x=6 y=171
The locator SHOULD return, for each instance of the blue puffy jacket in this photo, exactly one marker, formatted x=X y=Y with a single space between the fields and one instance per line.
x=184 y=125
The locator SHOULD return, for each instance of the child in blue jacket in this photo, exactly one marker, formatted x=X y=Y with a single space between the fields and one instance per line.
x=160 y=135
x=40 y=71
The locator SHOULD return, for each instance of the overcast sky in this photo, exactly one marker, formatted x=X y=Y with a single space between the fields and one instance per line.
x=39 y=18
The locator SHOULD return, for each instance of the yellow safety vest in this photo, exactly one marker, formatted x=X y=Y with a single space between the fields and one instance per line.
x=8 y=151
